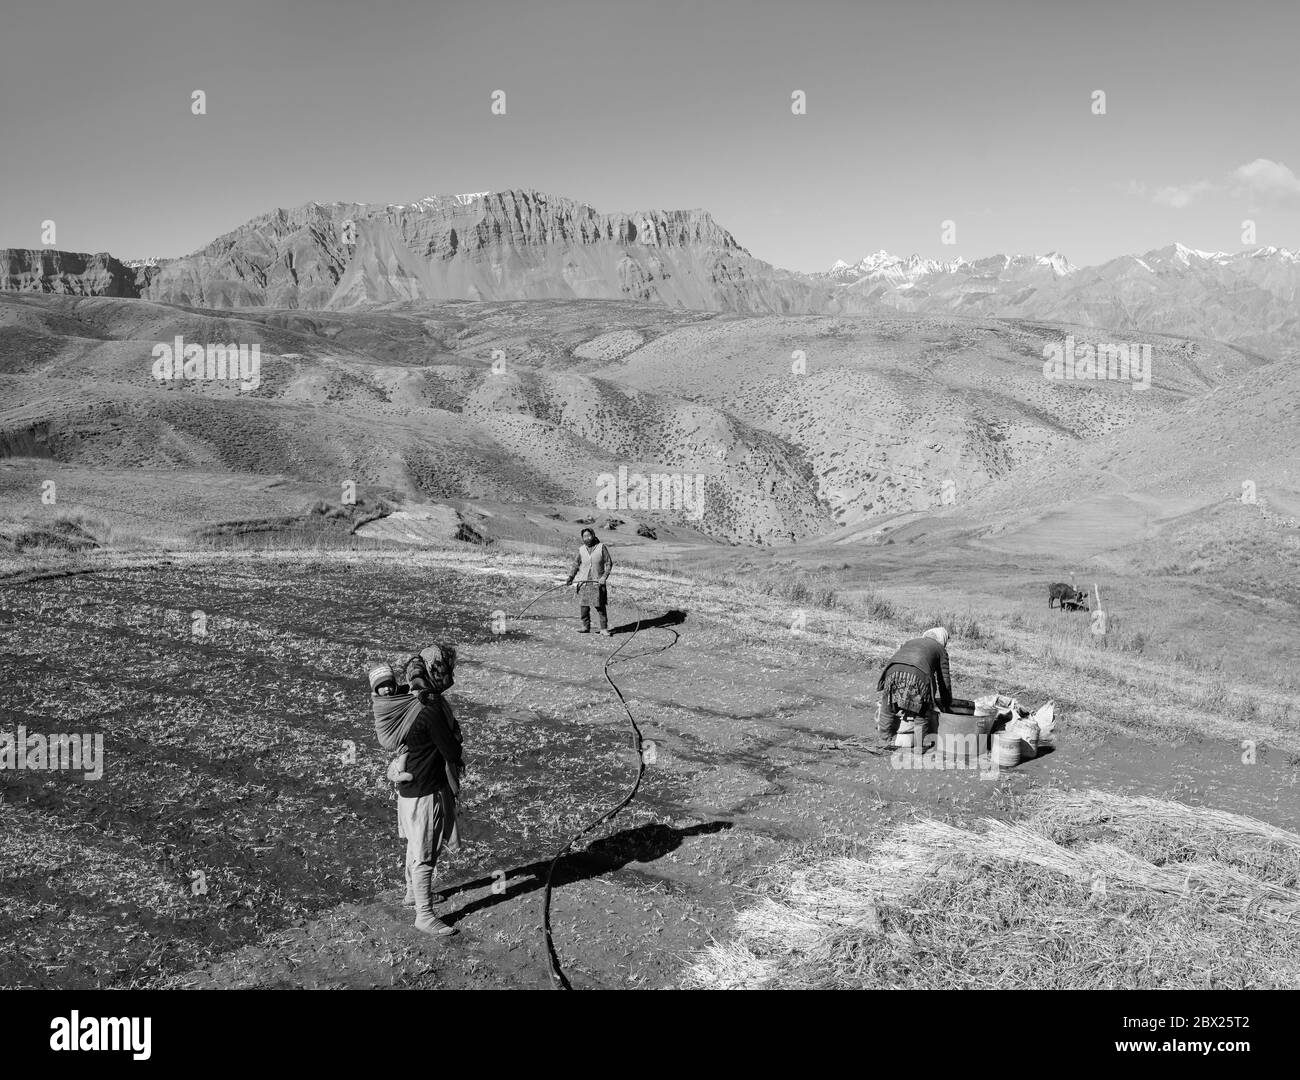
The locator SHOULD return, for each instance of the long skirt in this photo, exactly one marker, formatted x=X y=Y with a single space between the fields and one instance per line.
x=592 y=594
x=903 y=699
x=427 y=824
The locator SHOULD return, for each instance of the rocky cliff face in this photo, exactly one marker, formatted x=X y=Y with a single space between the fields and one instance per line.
x=507 y=245
x=68 y=272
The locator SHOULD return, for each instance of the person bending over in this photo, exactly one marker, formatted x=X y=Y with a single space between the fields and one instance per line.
x=916 y=676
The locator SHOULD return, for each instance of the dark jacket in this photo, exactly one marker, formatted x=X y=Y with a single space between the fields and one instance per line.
x=433 y=751
x=930 y=661
x=433 y=746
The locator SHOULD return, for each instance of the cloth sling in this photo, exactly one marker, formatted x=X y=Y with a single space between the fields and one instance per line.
x=394 y=717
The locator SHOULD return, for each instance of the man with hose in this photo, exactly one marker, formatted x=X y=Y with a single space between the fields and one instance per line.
x=591 y=567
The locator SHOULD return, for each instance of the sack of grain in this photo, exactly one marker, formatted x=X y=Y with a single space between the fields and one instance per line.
x=1045 y=718
x=1025 y=732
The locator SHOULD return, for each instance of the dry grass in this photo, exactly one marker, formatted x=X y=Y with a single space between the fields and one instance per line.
x=326 y=527
x=963 y=626
x=803 y=588
x=1091 y=890
x=67 y=531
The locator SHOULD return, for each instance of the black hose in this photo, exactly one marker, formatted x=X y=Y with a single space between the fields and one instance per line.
x=545 y=592
x=558 y=979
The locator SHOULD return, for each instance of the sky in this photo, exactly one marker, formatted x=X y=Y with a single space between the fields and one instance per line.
x=919 y=112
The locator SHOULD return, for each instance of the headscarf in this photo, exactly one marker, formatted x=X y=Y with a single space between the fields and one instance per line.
x=939 y=634
x=440 y=659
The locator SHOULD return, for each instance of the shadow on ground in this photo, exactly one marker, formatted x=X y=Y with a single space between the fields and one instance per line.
x=659 y=622
x=644 y=844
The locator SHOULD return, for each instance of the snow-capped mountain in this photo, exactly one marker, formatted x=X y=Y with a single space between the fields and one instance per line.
x=1250 y=298
x=890 y=268
x=884 y=266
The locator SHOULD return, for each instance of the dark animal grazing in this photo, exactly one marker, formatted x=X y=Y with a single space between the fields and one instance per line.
x=1066 y=594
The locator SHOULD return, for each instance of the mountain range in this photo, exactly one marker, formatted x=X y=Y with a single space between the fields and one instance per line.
x=527 y=245
x=481 y=361
x=1250 y=298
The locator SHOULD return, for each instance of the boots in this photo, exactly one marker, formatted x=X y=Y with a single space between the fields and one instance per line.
x=409 y=899
x=425 y=920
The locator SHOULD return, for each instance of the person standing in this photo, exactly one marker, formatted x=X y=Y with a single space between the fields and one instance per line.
x=910 y=681
x=591 y=569
x=426 y=803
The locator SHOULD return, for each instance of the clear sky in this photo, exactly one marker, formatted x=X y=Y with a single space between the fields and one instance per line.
x=918 y=111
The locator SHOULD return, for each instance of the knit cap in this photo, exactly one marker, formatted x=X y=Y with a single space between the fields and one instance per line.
x=382 y=675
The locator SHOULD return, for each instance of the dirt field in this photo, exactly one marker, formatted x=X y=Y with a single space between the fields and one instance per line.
x=243 y=834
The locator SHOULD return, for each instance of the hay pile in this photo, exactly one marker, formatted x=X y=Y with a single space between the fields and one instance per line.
x=1090 y=890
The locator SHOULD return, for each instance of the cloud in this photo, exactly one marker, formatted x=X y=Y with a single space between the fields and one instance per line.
x=1265 y=180
x=1181 y=195
x=1261 y=181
